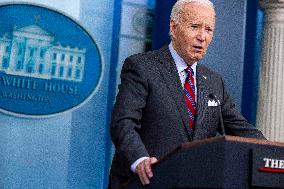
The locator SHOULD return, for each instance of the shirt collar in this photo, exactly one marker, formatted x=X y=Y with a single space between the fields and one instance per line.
x=180 y=63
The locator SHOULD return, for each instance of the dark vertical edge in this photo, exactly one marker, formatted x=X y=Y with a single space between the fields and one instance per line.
x=162 y=23
x=112 y=84
x=251 y=60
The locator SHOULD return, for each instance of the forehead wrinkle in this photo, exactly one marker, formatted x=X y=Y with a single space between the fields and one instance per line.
x=191 y=17
x=199 y=18
x=193 y=9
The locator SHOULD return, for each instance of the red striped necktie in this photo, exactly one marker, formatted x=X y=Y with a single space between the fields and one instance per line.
x=189 y=95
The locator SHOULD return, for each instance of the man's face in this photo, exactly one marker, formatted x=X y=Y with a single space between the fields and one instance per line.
x=193 y=34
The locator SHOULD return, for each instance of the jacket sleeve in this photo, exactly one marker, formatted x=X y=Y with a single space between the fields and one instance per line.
x=127 y=112
x=234 y=122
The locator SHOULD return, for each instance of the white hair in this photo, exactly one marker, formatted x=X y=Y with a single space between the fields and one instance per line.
x=177 y=9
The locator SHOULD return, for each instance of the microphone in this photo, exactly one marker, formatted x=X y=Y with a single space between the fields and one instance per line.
x=214 y=97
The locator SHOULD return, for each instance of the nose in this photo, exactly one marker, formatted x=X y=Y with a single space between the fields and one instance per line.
x=201 y=35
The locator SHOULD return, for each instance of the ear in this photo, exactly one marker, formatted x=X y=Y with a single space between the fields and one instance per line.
x=173 y=26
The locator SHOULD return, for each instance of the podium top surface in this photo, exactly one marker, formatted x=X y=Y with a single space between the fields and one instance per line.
x=231 y=139
x=219 y=139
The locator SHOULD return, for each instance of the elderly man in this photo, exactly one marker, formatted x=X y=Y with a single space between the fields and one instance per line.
x=167 y=98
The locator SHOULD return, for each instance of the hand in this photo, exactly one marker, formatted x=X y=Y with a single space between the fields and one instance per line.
x=144 y=170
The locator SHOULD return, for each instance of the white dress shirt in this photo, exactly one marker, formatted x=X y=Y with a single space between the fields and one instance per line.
x=181 y=66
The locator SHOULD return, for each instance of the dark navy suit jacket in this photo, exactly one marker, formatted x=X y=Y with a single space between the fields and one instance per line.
x=150 y=115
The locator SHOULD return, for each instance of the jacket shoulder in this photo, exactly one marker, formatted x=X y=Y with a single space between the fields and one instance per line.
x=149 y=56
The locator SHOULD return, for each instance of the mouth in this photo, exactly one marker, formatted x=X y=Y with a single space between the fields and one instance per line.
x=198 y=47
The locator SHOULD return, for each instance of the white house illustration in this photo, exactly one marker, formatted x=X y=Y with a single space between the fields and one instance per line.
x=31 y=51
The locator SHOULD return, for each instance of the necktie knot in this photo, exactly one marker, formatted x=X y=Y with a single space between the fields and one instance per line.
x=189 y=71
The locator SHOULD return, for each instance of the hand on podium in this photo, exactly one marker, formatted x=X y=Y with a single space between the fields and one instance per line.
x=144 y=170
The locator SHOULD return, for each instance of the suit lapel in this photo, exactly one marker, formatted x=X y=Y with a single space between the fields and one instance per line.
x=170 y=75
x=202 y=99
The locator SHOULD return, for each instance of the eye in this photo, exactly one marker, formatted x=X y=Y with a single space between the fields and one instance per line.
x=194 y=26
x=209 y=30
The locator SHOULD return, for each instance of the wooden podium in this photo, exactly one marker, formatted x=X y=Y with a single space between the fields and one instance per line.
x=219 y=163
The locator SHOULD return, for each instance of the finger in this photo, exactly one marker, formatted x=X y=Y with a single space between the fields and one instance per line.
x=153 y=160
x=148 y=169
x=142 y=173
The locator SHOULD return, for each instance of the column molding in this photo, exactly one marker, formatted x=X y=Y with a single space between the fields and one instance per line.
x=274 y=10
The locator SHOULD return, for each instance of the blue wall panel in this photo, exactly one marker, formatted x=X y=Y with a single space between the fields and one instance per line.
x=89 y=123
x=69 y=150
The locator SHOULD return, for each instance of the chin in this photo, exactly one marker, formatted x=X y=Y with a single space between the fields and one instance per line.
x=197 y=58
